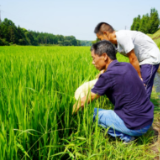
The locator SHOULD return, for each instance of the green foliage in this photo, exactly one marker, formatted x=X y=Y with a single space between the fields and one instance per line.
x=85 y=43
x=148 y=23
x=133 y=24
x=3 y=42
x=95 y=41
x=10 y=34
x=144 y=24
x=36 y=98
x=156 y=37
x=153 y=21
x=137 y=23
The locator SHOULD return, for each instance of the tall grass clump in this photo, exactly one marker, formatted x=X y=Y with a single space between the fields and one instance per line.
x=37 y=86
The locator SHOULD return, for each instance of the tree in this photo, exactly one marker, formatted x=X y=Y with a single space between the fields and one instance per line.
x=144 y=24
x=153 y=21
x=148 y=23
x=137 y=24
x=10 y=34
x=133 y=24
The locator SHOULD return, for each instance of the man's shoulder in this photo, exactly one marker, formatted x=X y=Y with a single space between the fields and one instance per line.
x=124 y=37
x=119 y=68
x=124 y=65
x=106 y=75
x=126 y=31
x=120 y=65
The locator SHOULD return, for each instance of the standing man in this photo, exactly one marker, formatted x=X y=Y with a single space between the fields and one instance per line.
x=133 y=111
x=143 y=53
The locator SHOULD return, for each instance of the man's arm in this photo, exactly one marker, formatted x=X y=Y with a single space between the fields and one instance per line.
x=134 y=61
x=102 y=71
x=85 y=99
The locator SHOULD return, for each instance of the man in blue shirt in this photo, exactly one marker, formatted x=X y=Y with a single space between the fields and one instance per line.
x=133 y=111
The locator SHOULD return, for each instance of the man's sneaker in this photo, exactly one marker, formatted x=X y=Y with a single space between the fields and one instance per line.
x=132 y=139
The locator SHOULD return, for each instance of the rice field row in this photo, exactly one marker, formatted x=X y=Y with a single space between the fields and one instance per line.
x=37 y=86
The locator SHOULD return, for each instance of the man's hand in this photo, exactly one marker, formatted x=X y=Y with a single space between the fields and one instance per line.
x=85 y=99
x=75 y=108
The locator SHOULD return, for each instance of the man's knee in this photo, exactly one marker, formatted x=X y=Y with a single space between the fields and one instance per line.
x=105 y=114
x=102 y=113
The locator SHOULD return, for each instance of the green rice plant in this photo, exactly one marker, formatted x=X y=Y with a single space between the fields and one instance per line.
x=37 y=86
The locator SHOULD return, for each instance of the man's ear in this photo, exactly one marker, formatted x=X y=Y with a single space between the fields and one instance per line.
x=105 y=56
x=106 y=34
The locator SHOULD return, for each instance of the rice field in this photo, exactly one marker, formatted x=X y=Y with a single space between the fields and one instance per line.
x=37 y=86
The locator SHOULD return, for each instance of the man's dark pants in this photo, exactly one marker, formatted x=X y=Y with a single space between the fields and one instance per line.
x=148 y=73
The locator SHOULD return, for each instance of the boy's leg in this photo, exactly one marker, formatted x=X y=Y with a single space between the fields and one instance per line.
x=148 y=72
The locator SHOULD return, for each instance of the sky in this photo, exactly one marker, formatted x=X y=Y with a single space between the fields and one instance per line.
x=74 y=17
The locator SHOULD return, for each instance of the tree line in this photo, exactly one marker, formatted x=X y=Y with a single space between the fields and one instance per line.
x=11 y=34
x=148 y=23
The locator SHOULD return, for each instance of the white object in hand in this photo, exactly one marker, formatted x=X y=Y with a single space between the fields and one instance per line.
x=84 y=89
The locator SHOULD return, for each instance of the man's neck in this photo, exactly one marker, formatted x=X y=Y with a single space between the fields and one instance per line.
x=108 y=63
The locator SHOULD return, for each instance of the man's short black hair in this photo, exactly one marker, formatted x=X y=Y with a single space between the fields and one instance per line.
x=104 y=47
x=103 y=26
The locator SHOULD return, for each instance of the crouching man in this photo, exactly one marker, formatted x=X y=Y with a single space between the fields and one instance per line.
x=133 y=112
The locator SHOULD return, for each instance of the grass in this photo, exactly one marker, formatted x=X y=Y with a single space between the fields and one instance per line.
x=156 y=37
x=37 y=86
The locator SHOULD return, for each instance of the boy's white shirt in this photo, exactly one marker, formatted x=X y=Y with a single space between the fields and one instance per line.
x=144 y=47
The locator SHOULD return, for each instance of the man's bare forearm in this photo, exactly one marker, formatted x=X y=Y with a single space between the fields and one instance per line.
x=85 y=99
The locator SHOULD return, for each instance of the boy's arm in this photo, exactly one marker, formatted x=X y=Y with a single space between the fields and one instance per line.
x=134 y=61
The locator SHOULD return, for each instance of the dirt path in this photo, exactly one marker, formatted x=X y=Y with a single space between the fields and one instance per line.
x=155 y=147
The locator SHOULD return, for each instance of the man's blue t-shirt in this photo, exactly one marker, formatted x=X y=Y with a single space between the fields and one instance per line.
x=121 y=84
